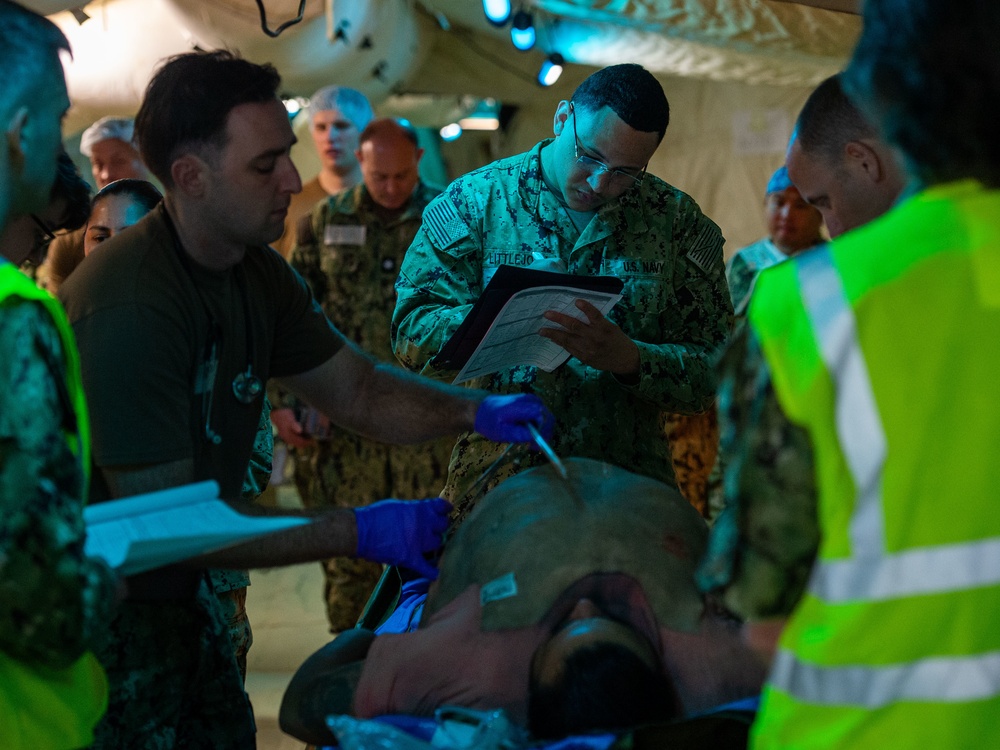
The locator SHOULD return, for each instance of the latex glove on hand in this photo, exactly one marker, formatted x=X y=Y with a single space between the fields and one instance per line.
x=400 y=532
x=505 y=419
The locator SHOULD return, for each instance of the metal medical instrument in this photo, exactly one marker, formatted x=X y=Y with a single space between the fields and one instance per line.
x=547 y=450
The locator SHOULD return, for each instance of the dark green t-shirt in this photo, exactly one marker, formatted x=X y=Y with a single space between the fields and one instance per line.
x=144 y=319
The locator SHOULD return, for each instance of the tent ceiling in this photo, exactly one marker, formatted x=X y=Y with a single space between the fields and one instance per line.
x=447 y=48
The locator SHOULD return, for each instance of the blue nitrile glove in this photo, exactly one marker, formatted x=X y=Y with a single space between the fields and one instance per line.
x=399 y=532
x=504 y=419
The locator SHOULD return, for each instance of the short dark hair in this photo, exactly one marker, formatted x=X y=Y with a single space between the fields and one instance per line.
x=602 y=687
x=631 y=92
x=71 y=188
x=386 y=125
x=30 y=44
x=188 y=101
x=829 y=121
x=927 y=72
x=144 y=193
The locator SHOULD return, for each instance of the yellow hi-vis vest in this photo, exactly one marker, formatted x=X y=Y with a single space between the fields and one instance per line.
x=885 y=345
x=43 y=708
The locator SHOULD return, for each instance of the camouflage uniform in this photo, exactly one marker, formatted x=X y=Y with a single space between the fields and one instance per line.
x=219 y=607
x=762 y=546
x=694 y=450
x=198 y=681
x=675 y=306
x=53 y=600
x=744 y=267
x=350 y=258
x=230 y=586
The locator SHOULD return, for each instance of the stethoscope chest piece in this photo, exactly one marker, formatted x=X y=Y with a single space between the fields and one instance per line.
x=247 y=386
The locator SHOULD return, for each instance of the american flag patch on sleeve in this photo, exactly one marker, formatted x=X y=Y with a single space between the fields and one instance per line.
x=706 y=252
x=443 y=224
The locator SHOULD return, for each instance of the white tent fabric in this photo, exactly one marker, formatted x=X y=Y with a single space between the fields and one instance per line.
x=736 y=71
x=754 y=41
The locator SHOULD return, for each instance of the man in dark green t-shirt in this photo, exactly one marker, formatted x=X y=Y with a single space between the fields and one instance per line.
x=181 y=320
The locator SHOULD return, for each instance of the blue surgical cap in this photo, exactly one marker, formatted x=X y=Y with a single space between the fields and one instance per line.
x=779 y=181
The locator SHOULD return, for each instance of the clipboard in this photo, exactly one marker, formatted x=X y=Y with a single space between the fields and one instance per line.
x=506 y=282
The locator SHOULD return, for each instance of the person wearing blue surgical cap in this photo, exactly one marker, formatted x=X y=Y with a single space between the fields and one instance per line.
x=792 y=226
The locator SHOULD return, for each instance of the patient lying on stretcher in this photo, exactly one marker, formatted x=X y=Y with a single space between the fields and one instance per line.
x=570 y=605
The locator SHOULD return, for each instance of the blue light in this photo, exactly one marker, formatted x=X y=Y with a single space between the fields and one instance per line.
x=451 y=132
x=552 y=68
x=522 y=31
x=497 y=11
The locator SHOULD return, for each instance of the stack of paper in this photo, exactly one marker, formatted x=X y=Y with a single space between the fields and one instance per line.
x=148 y=531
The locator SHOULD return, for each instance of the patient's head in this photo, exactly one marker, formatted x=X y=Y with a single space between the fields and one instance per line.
x=596 y=673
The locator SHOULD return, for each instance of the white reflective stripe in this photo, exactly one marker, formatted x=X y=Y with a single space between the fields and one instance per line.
x=938 y=680
x=859 y=427
x=871 y=574
x=924 y=570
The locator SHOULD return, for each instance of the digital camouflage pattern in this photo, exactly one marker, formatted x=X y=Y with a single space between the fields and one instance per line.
x=53 y=599
x=198 y=703
x=350 y=262
x=230 y=586
x=763 y=544
x=675 y=306
x=744 y=267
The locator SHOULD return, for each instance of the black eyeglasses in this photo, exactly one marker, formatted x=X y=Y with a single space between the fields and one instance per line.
x=43 y=238
x=596 y=167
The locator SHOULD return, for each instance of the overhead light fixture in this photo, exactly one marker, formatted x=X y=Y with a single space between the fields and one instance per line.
x=479 y=123
x=450 y=132
x=551 y=69
x=80 y=15
x=485 y=116
x=497 y=11
x=294 y=105
x=522 y=31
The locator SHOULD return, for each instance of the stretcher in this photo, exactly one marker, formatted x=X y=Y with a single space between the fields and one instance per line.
x=396 y=606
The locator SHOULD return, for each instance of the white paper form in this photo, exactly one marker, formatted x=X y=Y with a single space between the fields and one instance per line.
x=513 y=337
x=143 y=532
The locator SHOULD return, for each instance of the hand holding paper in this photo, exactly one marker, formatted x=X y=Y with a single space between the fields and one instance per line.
x=595 y=341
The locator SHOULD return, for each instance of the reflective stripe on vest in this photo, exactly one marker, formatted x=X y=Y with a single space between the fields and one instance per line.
x=939 y=679
x=871 y=573
x=859 y=427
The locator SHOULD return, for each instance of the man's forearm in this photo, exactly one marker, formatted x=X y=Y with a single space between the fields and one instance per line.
x=332 y=533
x=407 y=408
x=383 y=402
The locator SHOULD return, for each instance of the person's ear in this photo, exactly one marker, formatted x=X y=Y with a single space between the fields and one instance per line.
x=864 y=158
x=419 y=155
x=14 y=140
x=562 y=114
x=358 y=155
x=189 y=174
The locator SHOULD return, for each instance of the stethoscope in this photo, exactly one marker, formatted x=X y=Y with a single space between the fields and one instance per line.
x=246 y=385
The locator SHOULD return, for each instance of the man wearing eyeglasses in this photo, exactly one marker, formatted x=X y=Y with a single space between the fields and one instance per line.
x=581 y=203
